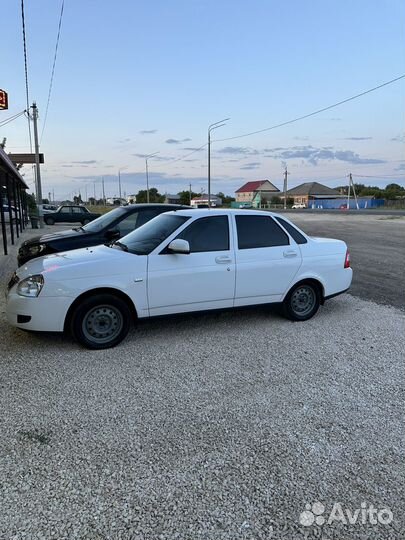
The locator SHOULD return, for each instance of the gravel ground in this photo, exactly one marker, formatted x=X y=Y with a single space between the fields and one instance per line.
x=220 y=426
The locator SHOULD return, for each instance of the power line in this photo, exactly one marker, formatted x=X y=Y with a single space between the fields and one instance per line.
x=26 y=69
x=289 y=121
x=377 y=176
x=314 y=112
x=183 y=157
x=53 y=67
x=11 y=118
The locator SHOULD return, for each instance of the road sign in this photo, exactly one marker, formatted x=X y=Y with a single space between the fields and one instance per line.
x=3 y=99
x=25 y=158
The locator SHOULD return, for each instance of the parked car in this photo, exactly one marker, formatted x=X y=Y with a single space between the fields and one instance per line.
x=182 y=261
x=108 y=227
x=70 y=214
x=48 y=208
x=298 y=206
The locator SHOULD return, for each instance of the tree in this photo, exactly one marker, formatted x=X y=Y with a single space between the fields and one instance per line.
x=185 y=196
x=226 y=199
x=77 y=199
x=394 y=187
x=276 y=200
x=154 y=196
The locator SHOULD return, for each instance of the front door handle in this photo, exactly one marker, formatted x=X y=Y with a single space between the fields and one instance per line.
x=290 y=253
x=223 y=260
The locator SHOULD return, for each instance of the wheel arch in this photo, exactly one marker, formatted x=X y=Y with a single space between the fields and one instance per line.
x=312 y=280
x=99 y=290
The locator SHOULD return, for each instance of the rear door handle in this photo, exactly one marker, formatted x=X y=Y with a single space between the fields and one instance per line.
x=290 y=253
x=223 y=260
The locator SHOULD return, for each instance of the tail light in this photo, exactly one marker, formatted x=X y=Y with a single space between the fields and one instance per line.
x=347 y=260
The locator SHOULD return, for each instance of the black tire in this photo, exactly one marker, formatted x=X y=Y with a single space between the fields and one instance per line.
x=49 y=221
x=85 y=221
x=302 y=302
x=101 y=322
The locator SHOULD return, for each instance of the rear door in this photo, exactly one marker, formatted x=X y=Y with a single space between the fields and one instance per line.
x=203 y=279
x=267 y=259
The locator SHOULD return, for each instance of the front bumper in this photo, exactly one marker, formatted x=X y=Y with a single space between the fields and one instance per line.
x=46 y=314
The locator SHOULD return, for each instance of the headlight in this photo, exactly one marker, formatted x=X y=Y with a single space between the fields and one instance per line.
x=36 y=249
x=30 y=286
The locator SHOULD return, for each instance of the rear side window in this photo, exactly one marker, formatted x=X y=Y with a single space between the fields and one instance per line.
x=292 y=231
x=259 y=232
x=207 y=234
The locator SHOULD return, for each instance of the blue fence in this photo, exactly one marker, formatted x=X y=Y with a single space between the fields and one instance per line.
x=328 y=204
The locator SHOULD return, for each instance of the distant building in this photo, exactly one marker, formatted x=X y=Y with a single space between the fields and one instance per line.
x=172 y=199
x=203 y=200
x=254 y=192
x=312 y=193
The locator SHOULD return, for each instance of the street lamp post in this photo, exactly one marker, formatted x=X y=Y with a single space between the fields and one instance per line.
x=211 y=127
x=147 y=174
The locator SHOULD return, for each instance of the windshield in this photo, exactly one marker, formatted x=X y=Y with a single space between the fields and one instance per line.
x=144 y=240
x=104 y=221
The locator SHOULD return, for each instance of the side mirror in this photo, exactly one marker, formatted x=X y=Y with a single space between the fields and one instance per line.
x=112 y=234
x=179 y=246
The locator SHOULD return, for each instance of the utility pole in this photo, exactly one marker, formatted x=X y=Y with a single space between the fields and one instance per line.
x=53 y=196
x=38 y=186
x=94 y=186
x=119 y=184
x=211 y=127
x=102 y=180
x=286 y=173
x=190 y=193
x=147 y=174
x=351 y=184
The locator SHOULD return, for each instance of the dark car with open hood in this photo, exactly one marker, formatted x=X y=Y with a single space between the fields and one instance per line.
x=103 y=230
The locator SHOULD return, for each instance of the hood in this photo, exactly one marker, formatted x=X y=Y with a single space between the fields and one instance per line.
x=69 y=233
x=93 y=261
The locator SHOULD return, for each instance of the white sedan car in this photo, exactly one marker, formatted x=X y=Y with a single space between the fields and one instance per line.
x=182 y=261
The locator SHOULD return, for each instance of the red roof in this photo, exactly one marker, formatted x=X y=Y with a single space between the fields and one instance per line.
x=250 y=186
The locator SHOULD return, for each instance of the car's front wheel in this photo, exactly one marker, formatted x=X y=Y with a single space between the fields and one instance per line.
x=101 y=322
x=302 y=302
x=49 y=221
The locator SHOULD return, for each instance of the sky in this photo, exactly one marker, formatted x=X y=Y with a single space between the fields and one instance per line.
x=136 y=77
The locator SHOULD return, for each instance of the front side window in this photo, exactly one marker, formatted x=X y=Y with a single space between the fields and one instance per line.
x=207 y=234
x=145 y=239
x=128 y=224
x=259 y=232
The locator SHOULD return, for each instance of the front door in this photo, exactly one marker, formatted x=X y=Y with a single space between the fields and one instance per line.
x=203 y=279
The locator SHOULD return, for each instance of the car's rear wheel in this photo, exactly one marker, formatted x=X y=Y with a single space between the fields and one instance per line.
x=302 y=302
x=49 y=221
x=85 y=221
x=101 y=322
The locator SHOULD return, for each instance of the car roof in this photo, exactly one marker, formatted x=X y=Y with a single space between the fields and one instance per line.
x=204 y=212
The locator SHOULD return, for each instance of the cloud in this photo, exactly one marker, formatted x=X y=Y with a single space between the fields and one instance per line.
x=86 y=162
x=155 y=158
x=148 y=131
x=250 y=166
x=401 y=167
x=177 y=141
x=238 y=150
x=193 y=149
x=123 y=141
x=398 y=138
x=314 y=155
x=357 y=139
